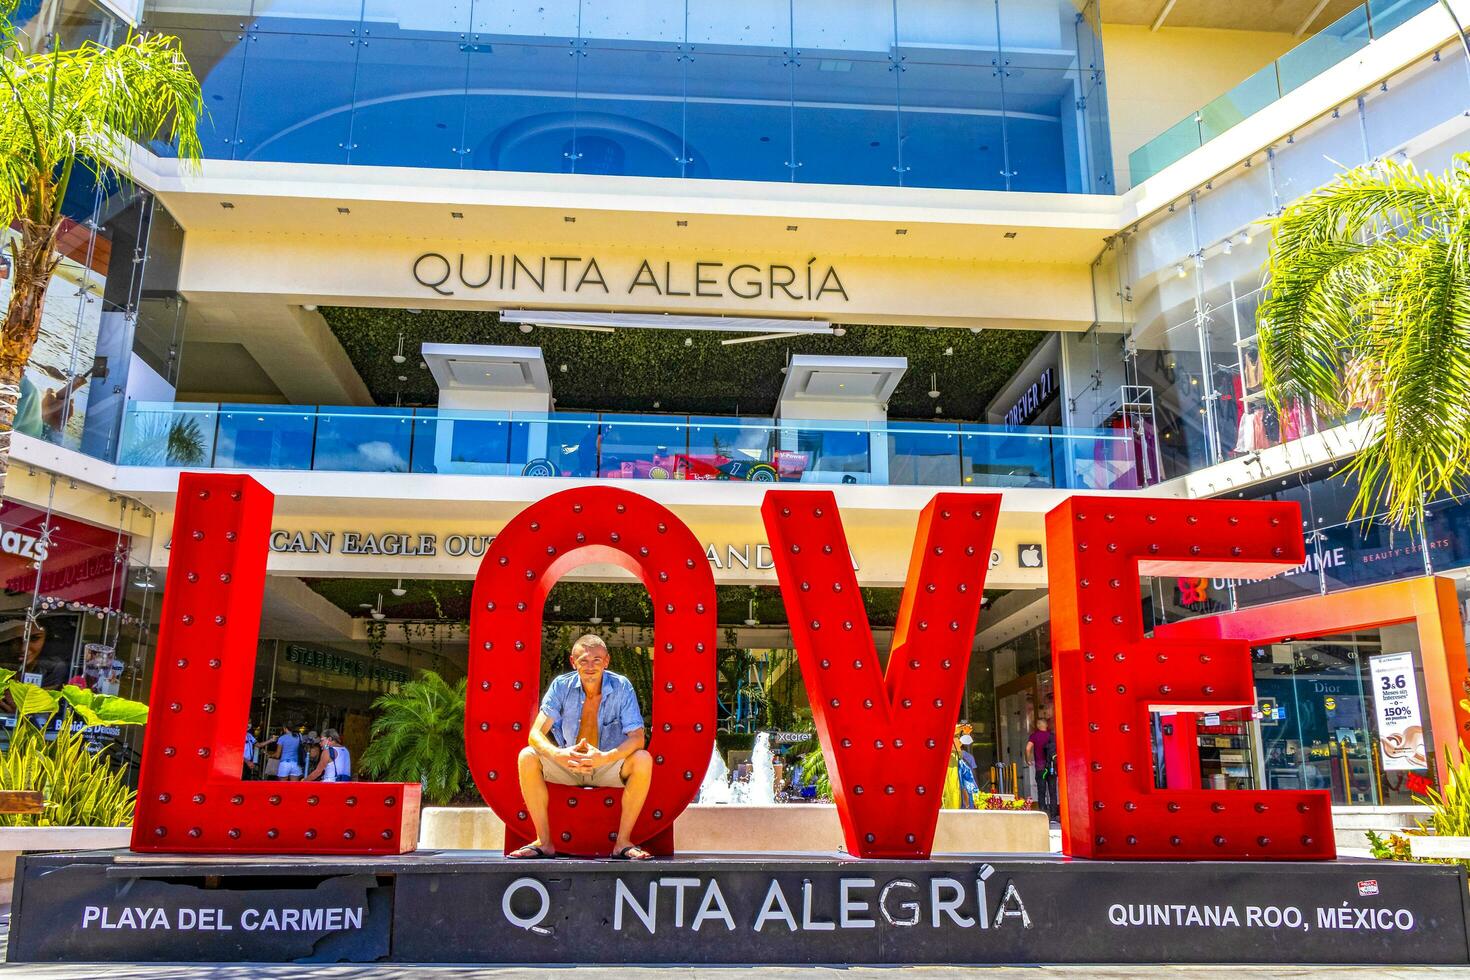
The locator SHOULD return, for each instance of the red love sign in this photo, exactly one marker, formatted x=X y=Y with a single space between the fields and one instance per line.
x=545 y=541
x=190 y=795
x=886 y=735
x=1108 y=676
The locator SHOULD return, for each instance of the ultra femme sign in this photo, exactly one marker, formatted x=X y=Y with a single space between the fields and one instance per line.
x=885 y=734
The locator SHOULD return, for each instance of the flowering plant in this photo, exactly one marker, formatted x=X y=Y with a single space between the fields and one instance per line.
x=995 y=801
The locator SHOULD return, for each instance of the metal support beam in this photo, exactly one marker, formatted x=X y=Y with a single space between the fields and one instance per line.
x=1164 y=13
x=1311 y=18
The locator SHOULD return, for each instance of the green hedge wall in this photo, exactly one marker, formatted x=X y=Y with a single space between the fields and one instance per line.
x=630 y=370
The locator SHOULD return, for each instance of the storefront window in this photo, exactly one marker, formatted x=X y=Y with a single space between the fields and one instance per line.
x=1320 y=705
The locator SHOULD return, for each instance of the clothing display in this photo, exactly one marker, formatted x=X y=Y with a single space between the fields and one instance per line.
x=1251 y=434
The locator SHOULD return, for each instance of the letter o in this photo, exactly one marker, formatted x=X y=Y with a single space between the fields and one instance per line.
x=534 y=923
x=1400 y=916
x=538 y=547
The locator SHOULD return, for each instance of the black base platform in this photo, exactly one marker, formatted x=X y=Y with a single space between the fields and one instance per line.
x=474 y=907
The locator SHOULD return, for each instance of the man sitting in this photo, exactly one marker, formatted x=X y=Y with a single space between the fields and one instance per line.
x=589 y=732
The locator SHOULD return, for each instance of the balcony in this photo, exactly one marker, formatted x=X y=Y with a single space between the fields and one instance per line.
x=623 y=447
x=1339 y=40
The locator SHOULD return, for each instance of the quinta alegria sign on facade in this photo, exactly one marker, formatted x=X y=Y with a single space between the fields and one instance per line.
x=462 y=273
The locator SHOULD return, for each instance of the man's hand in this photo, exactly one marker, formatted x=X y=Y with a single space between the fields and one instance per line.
x=584 y=758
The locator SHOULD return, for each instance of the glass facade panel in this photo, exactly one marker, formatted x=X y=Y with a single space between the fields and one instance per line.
x=625 y=122
x=218 y=58
x=1388 y=14
x=429 y=20
x=1324 y=49
x=1172 y=144
x=1412 y=104
x=641 y=448
x=296 y=98
x=633 y=20
x=846 y=118
x=409 y=105
x=738 y=117
x=364 y=439
x=527 y=20
x=845 y=85
x=168 y=434
x=922 y=453
x=1238 y=104
x=873 y=93
x=340 y=18
x=1045 y=130
x=271 y=437
x=517 y=116
x=1314 y=157
x=997 y=457
x=953 y=130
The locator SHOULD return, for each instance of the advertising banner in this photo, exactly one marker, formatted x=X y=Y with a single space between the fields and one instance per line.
x=1396 y=704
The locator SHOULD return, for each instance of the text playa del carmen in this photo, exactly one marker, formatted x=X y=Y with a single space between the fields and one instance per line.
x=151 y=917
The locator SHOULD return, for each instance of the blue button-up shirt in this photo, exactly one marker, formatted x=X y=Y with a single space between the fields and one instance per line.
x=618 y=716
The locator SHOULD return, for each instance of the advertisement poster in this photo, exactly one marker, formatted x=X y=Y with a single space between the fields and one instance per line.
x=1396 y=701
x=56 y=383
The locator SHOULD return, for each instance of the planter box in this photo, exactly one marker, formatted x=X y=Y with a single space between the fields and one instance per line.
x=16 y=840
x=767 y=829
x=1440 y=847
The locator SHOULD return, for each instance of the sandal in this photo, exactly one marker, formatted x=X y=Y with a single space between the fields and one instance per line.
x=528 y=852
x=631 y=853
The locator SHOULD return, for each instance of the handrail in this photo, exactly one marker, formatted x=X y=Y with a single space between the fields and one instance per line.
x=1334 y=43
x=615 y=446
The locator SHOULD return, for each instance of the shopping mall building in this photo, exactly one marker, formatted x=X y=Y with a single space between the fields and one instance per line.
x=446 y=258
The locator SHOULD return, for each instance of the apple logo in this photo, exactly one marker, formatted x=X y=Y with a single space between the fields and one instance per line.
x=1029 y=555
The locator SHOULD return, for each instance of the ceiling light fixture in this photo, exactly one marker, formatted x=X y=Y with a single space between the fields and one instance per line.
x=934 y=385
x=399 y=590
x=309 y=307
x=525 y=328
x=750 y=619
x=594 y=619
x=398 y=358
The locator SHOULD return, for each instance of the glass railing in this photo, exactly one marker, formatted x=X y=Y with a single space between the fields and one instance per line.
x=623 y=447
x=1340 y=39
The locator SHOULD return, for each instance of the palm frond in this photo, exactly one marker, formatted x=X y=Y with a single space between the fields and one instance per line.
x=1371 y=276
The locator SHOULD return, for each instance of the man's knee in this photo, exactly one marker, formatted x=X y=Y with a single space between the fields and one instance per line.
x=529 y=761
x=640 y=763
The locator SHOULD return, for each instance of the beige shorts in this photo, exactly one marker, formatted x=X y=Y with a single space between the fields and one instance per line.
x=609 y=776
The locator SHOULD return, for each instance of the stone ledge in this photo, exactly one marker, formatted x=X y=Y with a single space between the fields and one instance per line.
x=1454 y=848
x=760 y=829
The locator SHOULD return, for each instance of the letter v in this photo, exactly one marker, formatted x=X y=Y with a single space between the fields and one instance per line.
x=886 y=737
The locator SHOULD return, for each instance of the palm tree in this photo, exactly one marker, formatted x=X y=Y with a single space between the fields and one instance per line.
x=1369 y=288
x=418 y=737
x=59 y=108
